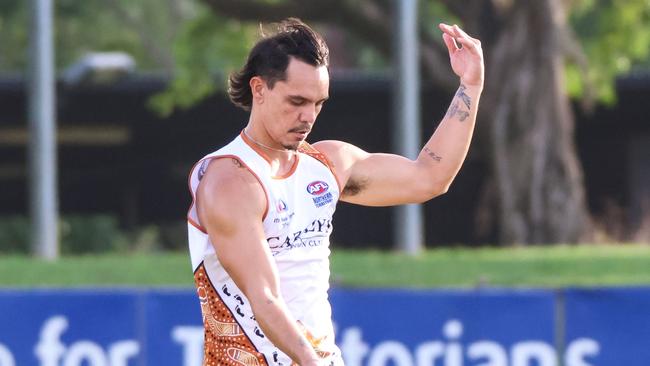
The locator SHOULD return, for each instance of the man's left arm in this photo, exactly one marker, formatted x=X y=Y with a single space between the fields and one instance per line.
x=387 y=179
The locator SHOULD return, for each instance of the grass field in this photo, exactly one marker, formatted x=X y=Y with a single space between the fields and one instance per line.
x=557 y=266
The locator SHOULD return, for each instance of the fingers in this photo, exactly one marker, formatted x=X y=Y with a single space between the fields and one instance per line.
x=449 y=42
x=470 y=45
x=453 y=34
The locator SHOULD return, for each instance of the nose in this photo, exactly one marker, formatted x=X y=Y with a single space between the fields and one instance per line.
x=309 y=114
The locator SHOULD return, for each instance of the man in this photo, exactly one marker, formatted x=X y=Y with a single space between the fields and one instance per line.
x=260 y=222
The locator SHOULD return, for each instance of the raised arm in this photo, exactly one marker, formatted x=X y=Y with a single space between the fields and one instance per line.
x=387 y=179
x=240 y=244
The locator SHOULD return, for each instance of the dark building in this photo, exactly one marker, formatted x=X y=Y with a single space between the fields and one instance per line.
x=117 y=156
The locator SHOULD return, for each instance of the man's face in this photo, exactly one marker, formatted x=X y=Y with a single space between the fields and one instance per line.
x=290 y=108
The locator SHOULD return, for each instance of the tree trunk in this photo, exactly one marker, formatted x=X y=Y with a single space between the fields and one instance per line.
x=540 y=196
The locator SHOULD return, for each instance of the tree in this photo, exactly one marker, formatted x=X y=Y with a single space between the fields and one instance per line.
x=538 y=53
x=536 y=189
x=145 y=29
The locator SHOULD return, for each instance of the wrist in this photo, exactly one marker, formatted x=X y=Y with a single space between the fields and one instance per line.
x=309 y=358
x=477 y=87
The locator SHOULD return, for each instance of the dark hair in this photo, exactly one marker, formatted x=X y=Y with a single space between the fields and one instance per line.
x=270 y=57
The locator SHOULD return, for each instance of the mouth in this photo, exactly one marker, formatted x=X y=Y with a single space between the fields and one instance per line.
x=300 y=132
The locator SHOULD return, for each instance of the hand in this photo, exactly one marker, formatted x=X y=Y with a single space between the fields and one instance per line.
x=466 y=59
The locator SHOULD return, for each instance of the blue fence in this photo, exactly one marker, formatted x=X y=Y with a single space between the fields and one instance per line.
x=124 y=327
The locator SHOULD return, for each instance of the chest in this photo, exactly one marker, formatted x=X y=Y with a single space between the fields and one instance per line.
x=300 y=208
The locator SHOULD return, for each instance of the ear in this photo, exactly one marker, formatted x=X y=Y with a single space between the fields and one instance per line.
x=258 y=88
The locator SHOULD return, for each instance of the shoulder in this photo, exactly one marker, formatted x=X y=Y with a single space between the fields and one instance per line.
x=344 y=157
x=339 y=151
x=228 y=184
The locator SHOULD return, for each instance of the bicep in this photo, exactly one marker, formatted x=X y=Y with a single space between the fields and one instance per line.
x=383 y=180
x=231 y=208
x=375 y=179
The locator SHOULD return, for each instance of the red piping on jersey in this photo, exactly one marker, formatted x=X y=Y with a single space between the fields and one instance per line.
x=189 y=183
x=310 y=150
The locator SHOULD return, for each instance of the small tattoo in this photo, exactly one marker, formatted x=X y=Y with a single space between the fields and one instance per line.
x=451 y=112
x=432 y=154
x=454 y=109
x=203 y=168
x=462 y=115
x=237 y=163
x=464 y=97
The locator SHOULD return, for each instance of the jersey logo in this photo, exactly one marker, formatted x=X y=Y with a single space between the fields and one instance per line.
x=317 y=188
x=281 y=206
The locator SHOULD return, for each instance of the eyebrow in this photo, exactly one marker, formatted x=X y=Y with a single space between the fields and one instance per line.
x=307 y=99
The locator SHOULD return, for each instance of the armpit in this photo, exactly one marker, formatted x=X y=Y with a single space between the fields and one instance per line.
x=355 y=186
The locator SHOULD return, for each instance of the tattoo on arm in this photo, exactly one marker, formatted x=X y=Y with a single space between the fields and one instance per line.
x=432 y=154
x=454 y=110
x=455 y=107
x=464 y=97
x=237 y=163
x=462 y=115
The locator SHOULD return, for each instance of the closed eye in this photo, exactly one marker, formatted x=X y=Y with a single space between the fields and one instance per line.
x=297 y=101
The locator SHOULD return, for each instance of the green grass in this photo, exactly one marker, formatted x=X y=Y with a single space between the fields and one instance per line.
x=557 y=266
x=169 y=269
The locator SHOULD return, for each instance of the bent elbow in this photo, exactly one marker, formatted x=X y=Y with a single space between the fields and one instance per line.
x=439 y=190
x=433 y=190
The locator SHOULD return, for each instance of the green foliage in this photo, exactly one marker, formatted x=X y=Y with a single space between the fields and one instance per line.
x=615 y=36
x=433 y=12
x=91 y=234
x=206 y=45
x=83 y=234
x=199 y=47
x=144 y=29
x=14 y=20
x=14 y=235
x=78 y=234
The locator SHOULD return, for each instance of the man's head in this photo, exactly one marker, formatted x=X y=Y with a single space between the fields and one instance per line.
x=270 y=57
x=284 y=84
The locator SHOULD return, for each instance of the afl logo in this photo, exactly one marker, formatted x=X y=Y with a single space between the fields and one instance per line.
x=317 y=188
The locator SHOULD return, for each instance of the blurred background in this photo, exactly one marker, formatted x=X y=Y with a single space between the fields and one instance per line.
x=560 y=154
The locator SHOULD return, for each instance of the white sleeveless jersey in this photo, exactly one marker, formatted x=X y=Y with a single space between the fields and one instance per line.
x=297 y=224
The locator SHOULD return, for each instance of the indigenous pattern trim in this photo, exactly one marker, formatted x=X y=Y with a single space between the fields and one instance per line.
x=225 y=341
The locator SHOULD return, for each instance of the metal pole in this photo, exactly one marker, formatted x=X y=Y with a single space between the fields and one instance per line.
x=408 y=227
x=42 y=125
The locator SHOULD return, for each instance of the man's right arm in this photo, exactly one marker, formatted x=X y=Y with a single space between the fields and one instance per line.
x=231 y=204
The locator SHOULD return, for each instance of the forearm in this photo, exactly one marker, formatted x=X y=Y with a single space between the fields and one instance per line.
x=282 y=329
x=444 y=153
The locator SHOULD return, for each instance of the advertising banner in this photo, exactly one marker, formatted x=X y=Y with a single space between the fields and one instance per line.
x=484 y=327
x=616 y=321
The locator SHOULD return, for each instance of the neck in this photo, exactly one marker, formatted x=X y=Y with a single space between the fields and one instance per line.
x=265 y=146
